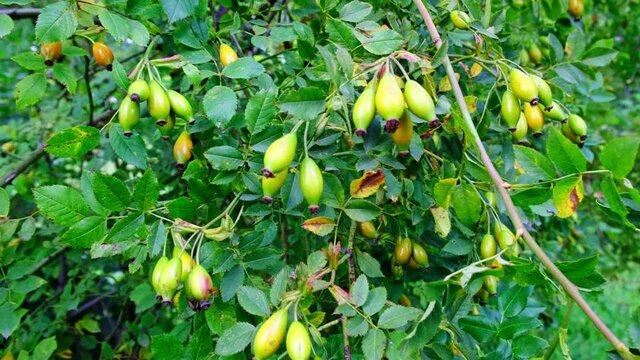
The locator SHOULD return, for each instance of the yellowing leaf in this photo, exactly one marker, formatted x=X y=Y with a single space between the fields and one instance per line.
x=471 y=103
x=320 y=226
x=445 y=85
x=567 y=195
x=443 y=223
x=367 y=185
x=476 y=69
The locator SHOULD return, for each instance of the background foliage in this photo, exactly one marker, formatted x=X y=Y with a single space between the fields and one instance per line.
x=85 y=223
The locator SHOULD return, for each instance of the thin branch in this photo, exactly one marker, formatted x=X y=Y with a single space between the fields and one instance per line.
x=345 y=336
x=21 y=13
x=470 y=130
x=352 y=263
x=23 y=166
x=47 y=260
x=87 y=80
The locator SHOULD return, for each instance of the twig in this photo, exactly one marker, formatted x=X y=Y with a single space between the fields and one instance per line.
x=352 y=263
x=23 y=166
x=87 y=80
x=47 y=260
x=345 y=336
x=20 y=13
x=470 y=130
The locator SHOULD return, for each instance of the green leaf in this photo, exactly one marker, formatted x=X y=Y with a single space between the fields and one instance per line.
x=305 y=103
x=29 y=61
x=178 y=9
x=10 y=319
x=157 y=237
x=342 y=34
x=243 y=68
x=63 y=73
x=139 y=33
x=111 y=192
x=56 y=22
x=125 y=228
x=260 y=111
x=355 y=11
x=45 y=349
x=117 y=26
x=147 y=191
x=120 y=75
x=200 y=344
x=74 y=142
x=529 y=346
x=610 y=191
x=28 y=284
x=220 y=104
x=30 y=89
x=368 y=265
x=279 y=286
x=86 y=186
x=144 y=297
x=481 y=328
x=85 y=232
x=231 y=280
x=167 y=346
x=397 y=316
x=62 y=204
x=373 y=344
x=253 y=301
x=566 y=155
x=5 y=202
x=130 y=149
x=535 y=165
x=619 y=155
x=514 y=300
x=235 y=339
x=360 y=290
x=466 y=203
x=582 y=272
x=224 y=157
x=513 y=327
x=442 y=191
x=6 y=25
x=375 y=301
x=382 y=42
x=440 y=53
x=362 y=210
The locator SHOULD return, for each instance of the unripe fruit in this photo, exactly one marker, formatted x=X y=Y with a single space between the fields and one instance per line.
x=279 y=155
x=128 y=115
x=578 y=126
x=403 y=250
x=544 y=91
x=170 y=279
x=523 y=87
x=51 y=52
x=158 y=104
x=535 y=54
x=576 y=8
x=397 y=271
x=404 y=300
x=460 y=19
x=566 y=130
x=491 y=284
x=298 y=342
x=506 y=240
x=182 y=149
x=165 y=126
x=389 y=101
x=419 y=101
x=488 y=246
x=227 y=55
x=270 y=335
x=368 y=230
x=198 y=288
x=523 y=57
x=9 y=147
x=311 y=183
x=271 y=186
x=103 y=55
x=419 y=255
x=554 y=113
x=535 y=118
x=157 y=272
x=364 y=111
x=138 y=91
x=402 y=136
x=180 y=106
x=510 y=110
x=187 y=262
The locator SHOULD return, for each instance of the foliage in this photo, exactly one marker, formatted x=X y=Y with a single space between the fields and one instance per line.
x=84 y=223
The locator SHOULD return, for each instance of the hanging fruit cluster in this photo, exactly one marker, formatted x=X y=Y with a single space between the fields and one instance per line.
x=526 y=103
x=410 y=254
x=395 y=106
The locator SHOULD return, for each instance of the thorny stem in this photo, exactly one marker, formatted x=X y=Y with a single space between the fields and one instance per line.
x=87 y=80
x=470 y=130
x=345 y=336
x=352 y=263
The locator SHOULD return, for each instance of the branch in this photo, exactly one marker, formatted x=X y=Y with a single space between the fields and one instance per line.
x=21 y=13
x=47 y=260
x=23 y=166
x=470 y=130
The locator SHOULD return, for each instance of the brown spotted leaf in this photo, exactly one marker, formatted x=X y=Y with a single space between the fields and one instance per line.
x=567 y=195
x=367 y=185
x=319 y=225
